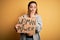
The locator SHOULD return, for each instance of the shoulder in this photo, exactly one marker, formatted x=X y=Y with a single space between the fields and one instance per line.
x=38 y=16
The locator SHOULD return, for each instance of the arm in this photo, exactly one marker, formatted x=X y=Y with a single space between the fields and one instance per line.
x=38 y=24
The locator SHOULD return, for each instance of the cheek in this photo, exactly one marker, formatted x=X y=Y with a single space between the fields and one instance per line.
x=30 y=9
x=35 y=9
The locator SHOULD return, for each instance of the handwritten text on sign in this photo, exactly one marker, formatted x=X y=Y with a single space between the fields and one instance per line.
x=26 y=25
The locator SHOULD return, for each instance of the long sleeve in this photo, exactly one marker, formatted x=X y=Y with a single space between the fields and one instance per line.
x=38 y=24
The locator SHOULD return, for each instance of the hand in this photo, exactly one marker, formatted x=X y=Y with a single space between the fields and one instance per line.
x=16 y=26
x=31 y=33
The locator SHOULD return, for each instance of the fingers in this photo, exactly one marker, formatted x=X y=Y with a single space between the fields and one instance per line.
x=17 y=25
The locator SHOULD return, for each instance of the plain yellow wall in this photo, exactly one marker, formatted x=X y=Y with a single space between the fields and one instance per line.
x=47 y=9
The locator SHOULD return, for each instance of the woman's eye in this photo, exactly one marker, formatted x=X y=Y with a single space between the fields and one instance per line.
x=34 y=6
x=31 y=7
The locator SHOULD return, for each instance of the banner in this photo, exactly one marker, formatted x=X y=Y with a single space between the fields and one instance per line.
x=26 y=25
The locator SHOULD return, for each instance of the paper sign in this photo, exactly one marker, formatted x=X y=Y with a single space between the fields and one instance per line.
x=26 y=25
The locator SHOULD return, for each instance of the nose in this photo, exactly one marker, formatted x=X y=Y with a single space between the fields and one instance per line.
x=32 y=9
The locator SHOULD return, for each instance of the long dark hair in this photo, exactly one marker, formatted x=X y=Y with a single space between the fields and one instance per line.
x=29 y=5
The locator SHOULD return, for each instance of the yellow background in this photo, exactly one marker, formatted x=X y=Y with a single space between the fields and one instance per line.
x=47 y=9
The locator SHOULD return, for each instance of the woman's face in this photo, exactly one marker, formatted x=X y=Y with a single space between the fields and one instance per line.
x=32 y=8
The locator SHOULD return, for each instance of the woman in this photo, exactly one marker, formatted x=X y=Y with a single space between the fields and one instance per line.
x=32 y=12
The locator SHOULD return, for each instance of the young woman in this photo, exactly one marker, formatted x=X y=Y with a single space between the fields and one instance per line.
x=32 y=12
